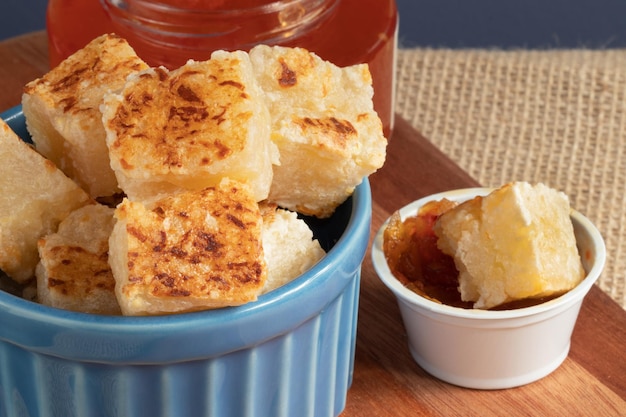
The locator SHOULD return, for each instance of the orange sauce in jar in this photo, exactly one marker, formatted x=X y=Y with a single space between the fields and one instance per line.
x=169 y=32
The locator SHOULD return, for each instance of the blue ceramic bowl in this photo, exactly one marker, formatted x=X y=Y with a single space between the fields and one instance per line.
x=291 y=353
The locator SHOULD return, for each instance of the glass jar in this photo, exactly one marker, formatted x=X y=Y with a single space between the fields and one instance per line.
x=168 y=32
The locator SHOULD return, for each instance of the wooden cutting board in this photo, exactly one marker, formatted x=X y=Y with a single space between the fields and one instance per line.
x=387 y=382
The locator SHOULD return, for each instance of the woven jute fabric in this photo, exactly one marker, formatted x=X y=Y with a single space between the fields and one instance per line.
x=553 y=116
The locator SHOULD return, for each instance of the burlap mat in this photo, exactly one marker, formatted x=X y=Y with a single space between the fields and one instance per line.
x=557 y=117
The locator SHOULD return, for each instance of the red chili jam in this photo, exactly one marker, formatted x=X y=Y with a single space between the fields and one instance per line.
x=414 y=258
x=169 y=32
x=411 y=251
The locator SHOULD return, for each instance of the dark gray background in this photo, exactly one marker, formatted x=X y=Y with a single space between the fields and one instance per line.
x=452 y=23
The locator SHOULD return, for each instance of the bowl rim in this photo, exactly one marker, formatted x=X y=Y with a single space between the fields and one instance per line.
x=416 y=301
x=317 y=283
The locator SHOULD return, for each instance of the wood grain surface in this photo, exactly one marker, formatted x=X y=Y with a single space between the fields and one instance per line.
x=387 y=382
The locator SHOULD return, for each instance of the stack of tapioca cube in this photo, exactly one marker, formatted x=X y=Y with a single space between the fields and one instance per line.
x=154 y=191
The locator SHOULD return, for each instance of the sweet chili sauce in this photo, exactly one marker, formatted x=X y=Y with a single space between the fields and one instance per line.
x=344 y=32
x=410 y=248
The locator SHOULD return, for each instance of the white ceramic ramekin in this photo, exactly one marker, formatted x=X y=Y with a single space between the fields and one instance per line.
x=291 y=353
x=491 y=349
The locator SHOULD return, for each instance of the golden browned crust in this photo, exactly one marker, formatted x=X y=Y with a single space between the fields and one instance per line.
x=74 y=271
x=191 y=127
x=176 y=121
x=336 y=132
x=190 y=251
x=102 y=64
x=323 y=122
x=75 y=261
x=62 y=111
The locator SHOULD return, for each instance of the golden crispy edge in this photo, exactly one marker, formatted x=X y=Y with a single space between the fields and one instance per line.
x=222 y=266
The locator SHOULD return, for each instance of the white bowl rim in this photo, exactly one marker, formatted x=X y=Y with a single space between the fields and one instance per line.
x=412 y=298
